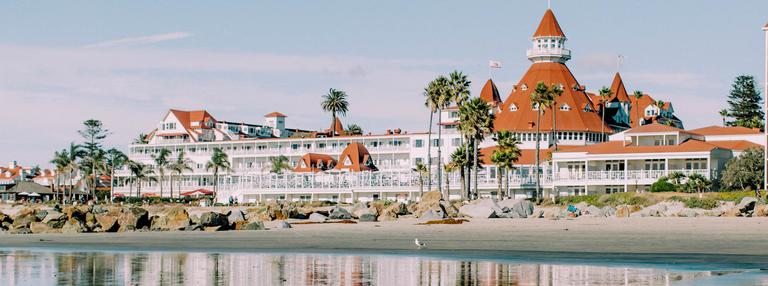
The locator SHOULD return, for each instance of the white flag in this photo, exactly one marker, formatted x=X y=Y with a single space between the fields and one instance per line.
x=494 y=64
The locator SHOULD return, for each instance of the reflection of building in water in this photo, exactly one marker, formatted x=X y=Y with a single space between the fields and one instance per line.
x=105 y=268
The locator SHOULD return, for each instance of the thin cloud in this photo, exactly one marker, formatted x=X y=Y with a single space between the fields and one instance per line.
x=143 y=40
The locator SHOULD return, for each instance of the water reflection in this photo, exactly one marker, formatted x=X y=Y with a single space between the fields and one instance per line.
x=27 y=267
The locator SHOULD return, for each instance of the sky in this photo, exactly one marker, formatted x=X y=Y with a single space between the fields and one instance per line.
x=127 y=63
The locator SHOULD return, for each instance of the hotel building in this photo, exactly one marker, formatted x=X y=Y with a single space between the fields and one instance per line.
x=639 y=140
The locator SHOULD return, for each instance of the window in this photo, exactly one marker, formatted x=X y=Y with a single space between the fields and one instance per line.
x=513 y=107
x=654 y=164
x=695 y=164
x=436 y=142
x=419 y=161
x=455 y=142
x=320 y=145
x=419 y=143
x=524 y=87
x=294 y=146
x=454 y=114
x=535 y=106
x=587 y=108
x=307 y=145
x=565 y=107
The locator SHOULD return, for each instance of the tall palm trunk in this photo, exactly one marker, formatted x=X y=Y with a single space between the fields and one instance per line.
x=474 y=163
x=216 y=180
x=469 y=168
x=170 y=185
x=447 y=186
x=463 y=177
x=429 y=151
x=160 y=181
x=500 y=194
x=421 y=185
x=538 y=140
x=439 y=151
x=506 y=178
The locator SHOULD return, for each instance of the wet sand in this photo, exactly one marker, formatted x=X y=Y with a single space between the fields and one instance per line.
x=704 y=238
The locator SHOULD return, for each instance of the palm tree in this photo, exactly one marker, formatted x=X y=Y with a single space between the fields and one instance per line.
x=140 y=139
x=140 y=173
x=475 y=122
x=449 y=169
x=61 y=161
x=335 y=102
x=555 y=92
x=178 y=166
x=505 y=155
x=115 y=159
x=724 y=115
x=638 y=95
x=74 y=153
x=459 y=160
x=219 y=162
x=354 y=129
x=161 y=164
x=699 y=183
x=421 y=170
x=540 y=99
x=278 y=163
x=605 y=93
x=437 y=98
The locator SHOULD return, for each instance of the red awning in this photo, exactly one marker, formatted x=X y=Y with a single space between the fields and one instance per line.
x=150 y=195
x=198 y=192
x=118 y=195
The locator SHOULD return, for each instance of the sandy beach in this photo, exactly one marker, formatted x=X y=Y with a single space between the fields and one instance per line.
x=737 y=239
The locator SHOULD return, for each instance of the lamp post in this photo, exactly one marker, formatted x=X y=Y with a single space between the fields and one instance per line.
x=765 y=110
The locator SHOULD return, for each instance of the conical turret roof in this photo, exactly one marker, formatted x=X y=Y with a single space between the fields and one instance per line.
x=548 y=27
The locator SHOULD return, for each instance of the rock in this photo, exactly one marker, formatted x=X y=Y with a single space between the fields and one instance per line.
x=537 y=213
x=433 y=214
x=608 y=211
x=360 y=209
x=761 y=210
x=316 y=217
x=176 y=218
x=552 y=214
x=477 y=211
x=592 y=211
x=23 y=219
x=732 y=212
x=23 y=230
x=687 y=213
x=428 y=201
x=339 y=213
x=107 y=222
x=39 y=227
x=213 y=219
x=90 y=220
x=132 y=219
x=73 y=225
x=623 y=211
x=5 y=218
x=521 y=207
x=747 y=206
x=74 y=212
x=99 y=209
x=41 y=214
x=55 y=219
x=450 y=210
x=369 y=217
x=257 y=225
x=214 y=228
x=283 y=224
x=193 y=227
x=377 y=207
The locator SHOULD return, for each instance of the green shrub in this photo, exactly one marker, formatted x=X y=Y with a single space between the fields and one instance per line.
x=572 y=200
x=705 y=203
x=676 y=199
x=662 y=185
x=733 y=196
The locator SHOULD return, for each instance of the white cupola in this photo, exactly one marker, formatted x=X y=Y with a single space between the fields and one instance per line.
x=548 y=43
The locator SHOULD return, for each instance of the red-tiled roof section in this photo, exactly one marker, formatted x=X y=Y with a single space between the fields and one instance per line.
x=724 y=130
x=490 y=93
x=654 y=128
x=527 y=156
x=524 y=118
x=549 y=26
x=619 y=147
x=313 y=162
x=358 y=157
x=736 y=145
x=187 y=117
x=337 y=127
x=275 y=114
x=618 y=89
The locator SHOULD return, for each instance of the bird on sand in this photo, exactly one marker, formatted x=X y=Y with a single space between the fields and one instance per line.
x=420 y=244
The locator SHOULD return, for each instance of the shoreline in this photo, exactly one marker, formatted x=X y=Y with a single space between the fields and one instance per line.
x=741 y=242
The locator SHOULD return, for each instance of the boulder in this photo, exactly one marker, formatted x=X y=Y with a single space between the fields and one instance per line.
x=99 y=209
x=623 y=211
x=369 y=217
x=747 y=206
x=107 y=222
x=761 y=210
x=428 y=201
x=90 y=220
x=477 y=211
x=377 y=207
x=608 y=211
x=213 y=219
x=360 y=209
x=193 y=227
x=23 y=219
x=450 y=209
x=316 y=217
x=592 y=211
x=687 y=213
x=39 y=227
x=257 y=225
x=732 y=212
x=433 y=214
x=55 y=219
x=283 y=224
x=552 y=213
x=235 y=215
x=5 y=218
x=214 y=228
x=522 y=208
x=339 y=213
x=537 y=213
x=132 y=219
x=23 y=230
x=73 y=225
x=41 y=214
x=175 y=218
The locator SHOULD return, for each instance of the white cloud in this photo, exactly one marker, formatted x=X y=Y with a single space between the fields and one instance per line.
x=142 y=40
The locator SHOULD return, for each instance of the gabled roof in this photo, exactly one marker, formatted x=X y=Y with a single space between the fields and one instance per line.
x=736 y=145
x=30 y=187
x=337 y=127
x=618 y=90
x=549 y=26
x=654 y=128
x=637 y=107
x=490 y=93
x=359 y=159
x=524 y=118
x=313 y=161
x=275 y=114
x=724 y=130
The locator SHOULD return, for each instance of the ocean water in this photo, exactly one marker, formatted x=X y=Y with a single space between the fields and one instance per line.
x=105 y=267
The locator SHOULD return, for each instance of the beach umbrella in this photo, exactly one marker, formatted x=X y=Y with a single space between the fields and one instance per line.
x=23 y=194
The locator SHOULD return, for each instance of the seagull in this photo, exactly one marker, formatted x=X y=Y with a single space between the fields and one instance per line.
x=420 y=244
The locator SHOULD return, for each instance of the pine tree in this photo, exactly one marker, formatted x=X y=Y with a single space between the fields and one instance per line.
x=745 y=103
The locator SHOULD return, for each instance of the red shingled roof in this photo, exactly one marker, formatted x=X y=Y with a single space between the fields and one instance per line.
x=618 y=90
x=653 y=128
x=723 y=130
x=549 y=26
x=358 y=156
x=275 y=114
x=490 y=93
x=313 y=161
x=524 y=118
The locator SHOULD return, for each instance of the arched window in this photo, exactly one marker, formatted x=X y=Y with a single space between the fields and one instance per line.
x=524 y=87
x=513 y=107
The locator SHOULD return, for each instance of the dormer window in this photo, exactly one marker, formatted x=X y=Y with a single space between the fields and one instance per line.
x=524 y=87
x=535 y=106
x=587 y=108
x=565 y=107
x=513 y=107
